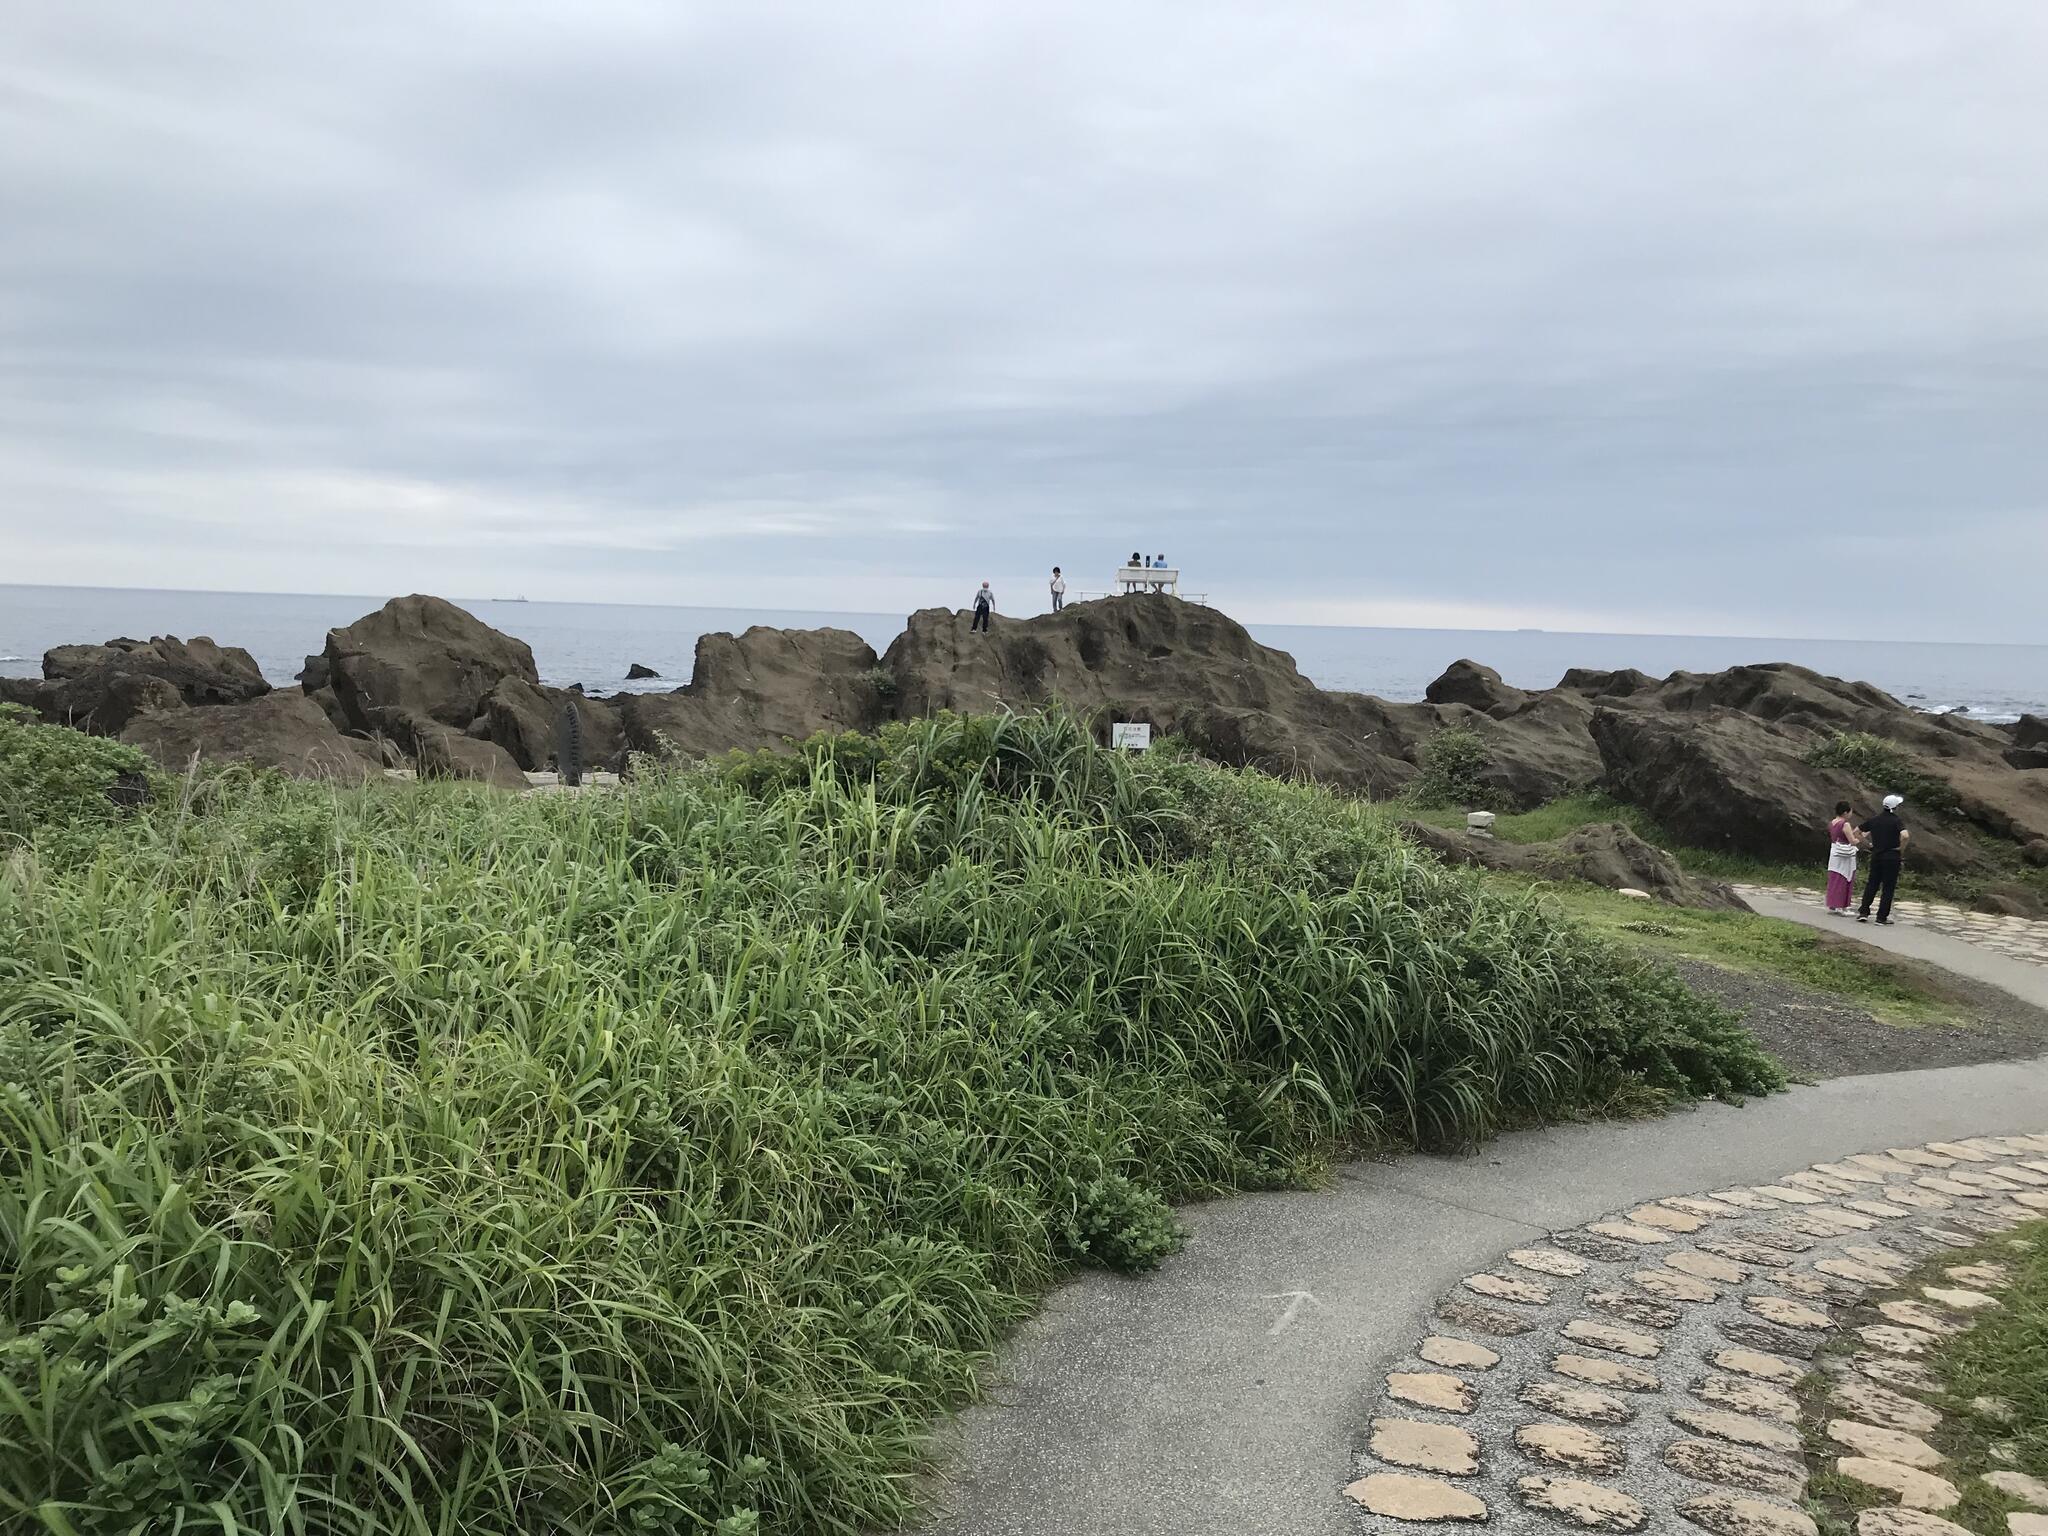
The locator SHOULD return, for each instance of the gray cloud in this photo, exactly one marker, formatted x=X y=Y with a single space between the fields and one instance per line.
x=1728 y=317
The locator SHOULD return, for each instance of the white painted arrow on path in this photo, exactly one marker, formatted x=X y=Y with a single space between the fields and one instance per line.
x=1295 y=1300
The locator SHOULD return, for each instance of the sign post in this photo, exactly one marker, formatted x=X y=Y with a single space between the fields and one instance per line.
x=1126 y=737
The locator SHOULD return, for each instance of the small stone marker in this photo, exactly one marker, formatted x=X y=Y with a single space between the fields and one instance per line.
x=1570 y=1446
x=1548 y=1261
x=1883 y=1444
x=1479 y=823
x=1910 y=1486
x=1529 y=1292
x=1917 y=1314
x=1751 y=1362
x=1746 y=1395
x=1459 y=1354
x=1431 y=1389
x=1425 y=1447
x=1712 y=1461
x=1787 y=1313
x=1674 y=1286
x=1905 y=1522
x=1577 y=1403
x=1611 y=1336
x=1881 y=1405
x=1605 y=1373
x=1588 y=1506
x=2030 y=1491
x=1404 y=1496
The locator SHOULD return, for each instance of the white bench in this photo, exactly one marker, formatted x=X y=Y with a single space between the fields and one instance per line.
x=1138 y=578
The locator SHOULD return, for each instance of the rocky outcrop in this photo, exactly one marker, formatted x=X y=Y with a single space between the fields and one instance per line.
x=201 y=671
x=1606 y=854
x=439 y=753
x=101 y=688
x=285 y=731
x=418 y=662
x=1623 y=683
x=761 y=689
x=1477 y=687
x=1176 y=666
x=1719 y=779
x=636 y=673
x=104 y=700
x=526 y=720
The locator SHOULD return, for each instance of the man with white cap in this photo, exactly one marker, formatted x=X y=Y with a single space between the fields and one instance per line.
x=1888 y=839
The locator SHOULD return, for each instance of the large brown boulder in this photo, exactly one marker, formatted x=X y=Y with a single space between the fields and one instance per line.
x=760 y=689
x=526 y=720
x=1477 y=687
x=201 y=671
x=104 y=700
x=1623 y=682
x=1605 y=853
x=101 y=688
x=284 y=730
x=439 y=753
x=418 y=661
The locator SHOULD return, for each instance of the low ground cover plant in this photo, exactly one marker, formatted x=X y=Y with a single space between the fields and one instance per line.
x=422 y=1159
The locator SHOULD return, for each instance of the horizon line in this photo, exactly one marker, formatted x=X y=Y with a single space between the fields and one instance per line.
x=871 y=613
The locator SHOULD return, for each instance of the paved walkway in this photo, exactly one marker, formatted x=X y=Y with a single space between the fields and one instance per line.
x=1634 y=1373
x=2017 y=938
x=2015 y=970
x=1226 y=1394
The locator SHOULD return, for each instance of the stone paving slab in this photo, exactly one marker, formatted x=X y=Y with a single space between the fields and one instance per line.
x=2019 y=938
x=1645 y=1384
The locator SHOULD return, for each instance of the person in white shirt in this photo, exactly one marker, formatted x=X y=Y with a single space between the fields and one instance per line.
x=1059 y=590
x=984 y=605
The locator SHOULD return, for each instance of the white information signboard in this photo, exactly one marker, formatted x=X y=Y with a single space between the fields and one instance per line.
x=1132 y=738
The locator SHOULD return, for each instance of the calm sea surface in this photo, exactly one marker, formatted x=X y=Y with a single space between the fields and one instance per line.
x=593 y=643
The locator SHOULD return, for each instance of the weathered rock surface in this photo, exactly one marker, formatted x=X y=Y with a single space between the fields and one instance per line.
x=101 y=688
x=1479 y=687
x=760 y=689
x=285 y=731
x=440 y=753
x=418 y=661
x=1606 y=854
x=526 y=720
x=636 y=672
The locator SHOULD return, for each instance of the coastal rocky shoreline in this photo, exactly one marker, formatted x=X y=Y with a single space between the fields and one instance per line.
x=1721 y=760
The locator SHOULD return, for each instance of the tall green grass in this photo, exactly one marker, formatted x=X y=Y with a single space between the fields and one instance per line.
x=428 y=1160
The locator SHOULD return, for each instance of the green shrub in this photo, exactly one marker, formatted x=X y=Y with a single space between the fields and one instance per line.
x=1881 y=766
x=53 y=777
x=1453 y=761
x=419 y=1158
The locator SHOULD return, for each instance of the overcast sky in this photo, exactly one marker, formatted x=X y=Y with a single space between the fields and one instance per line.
x=1713 y=316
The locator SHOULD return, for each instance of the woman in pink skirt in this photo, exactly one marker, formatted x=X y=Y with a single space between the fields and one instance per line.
x=1843 y=841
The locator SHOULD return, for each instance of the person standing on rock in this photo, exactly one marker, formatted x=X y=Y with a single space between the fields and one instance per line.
x=1059 y=590
x=984 y=605
x=1886 y=837
x=1843 y=841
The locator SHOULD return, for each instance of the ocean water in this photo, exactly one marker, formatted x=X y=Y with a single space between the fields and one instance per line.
x=593 y=643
